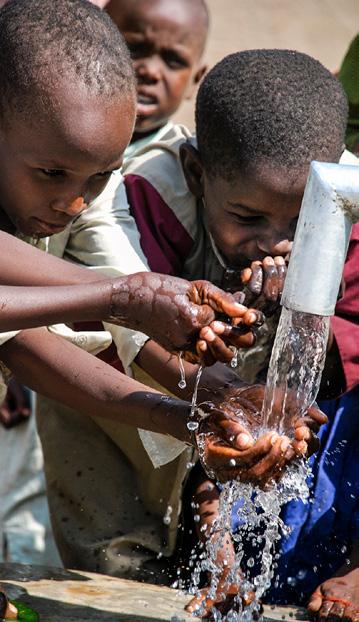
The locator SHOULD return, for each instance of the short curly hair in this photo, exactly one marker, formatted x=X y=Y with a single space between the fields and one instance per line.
x=42 y=41
x=269 y=106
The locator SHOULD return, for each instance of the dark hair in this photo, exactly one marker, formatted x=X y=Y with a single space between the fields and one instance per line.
x=43 y=40
x=199 y=5
x=275 y=106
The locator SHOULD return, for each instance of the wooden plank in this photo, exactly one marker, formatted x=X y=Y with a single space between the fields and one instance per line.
x=72 y=596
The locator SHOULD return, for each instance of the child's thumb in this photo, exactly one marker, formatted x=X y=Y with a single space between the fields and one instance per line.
x=315 y=602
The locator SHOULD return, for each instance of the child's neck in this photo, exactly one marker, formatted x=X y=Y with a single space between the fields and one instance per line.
x=139 y=135
x=6 y=224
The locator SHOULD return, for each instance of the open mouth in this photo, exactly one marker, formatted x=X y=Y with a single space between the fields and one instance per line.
x=46 y=228
x=146 y=100
x=147 y=105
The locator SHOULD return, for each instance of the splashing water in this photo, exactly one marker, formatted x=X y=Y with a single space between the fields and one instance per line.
x=295 y=368
x=293 y=381
x=261 y=525
x=193 y=425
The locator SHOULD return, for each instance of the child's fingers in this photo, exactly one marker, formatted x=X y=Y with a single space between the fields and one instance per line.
x=246 y=275
x=255 y=283
x=317 y=415
x=315 y=601
x=281 y=271
x=272 y=465
x=270 y=286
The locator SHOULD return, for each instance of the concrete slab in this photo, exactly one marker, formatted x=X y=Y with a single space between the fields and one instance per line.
x=59 y=595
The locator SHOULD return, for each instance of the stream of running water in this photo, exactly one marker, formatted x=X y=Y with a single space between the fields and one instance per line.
x=293 y=381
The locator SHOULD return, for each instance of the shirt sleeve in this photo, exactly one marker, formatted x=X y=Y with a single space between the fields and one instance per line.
x=345 y=323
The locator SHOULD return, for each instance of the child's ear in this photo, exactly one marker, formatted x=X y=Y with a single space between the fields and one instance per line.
x=200 y=72
x=192 y=168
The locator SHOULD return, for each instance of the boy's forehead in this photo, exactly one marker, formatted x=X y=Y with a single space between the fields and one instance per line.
x=78 y=125
x=184 y=21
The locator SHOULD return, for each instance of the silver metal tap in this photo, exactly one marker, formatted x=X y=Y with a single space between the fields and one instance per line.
x=329 y=208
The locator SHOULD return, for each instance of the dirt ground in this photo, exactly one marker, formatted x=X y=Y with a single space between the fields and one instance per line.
x=322 y=28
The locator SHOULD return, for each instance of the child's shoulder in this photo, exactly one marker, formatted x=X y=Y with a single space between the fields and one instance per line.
x=158 y=166
x=160 y=156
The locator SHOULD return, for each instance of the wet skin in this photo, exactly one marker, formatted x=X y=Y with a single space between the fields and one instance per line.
x=53 y=165
x=251 y=217
x=166 y=39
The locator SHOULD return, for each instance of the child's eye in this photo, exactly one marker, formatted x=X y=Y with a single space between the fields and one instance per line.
x=52 y=172
x=247 y=220
x=173 y=60
x=105 y=174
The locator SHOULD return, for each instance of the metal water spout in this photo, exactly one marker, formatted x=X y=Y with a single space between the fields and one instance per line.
x=329 y=208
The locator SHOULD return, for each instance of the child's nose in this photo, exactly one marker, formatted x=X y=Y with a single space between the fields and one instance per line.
x=148 y=70
x=275 y=246
x=71 y=208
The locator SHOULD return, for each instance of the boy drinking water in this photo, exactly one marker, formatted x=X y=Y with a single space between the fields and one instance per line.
x=67 y=109
x=226 y=207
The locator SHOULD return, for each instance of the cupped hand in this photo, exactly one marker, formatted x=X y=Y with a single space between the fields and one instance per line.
x=228 y=447
x=173 y=312
x=263 y=284
x=337 y=598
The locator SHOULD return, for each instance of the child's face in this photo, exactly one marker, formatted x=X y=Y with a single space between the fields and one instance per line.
x=52 y=166
x=252 y=217
x=255 y=216
x=165 y=40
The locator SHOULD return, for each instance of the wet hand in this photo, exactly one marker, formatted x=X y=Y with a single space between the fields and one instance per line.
x=337 y=598
x=263 y=284
x=173 y=312
x=227 y=446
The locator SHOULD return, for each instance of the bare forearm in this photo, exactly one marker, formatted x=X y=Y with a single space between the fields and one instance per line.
x=29 y=307
x=21 y=264
x=62 y=371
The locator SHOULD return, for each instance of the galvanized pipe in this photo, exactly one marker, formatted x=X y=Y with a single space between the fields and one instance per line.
x=329 y=208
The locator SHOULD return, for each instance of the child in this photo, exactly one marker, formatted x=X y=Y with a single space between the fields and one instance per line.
x=130 y=544
x=261 y=117
x=166 y=39
x=67 y=111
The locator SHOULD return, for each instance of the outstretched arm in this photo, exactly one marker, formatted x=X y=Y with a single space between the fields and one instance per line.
x=58 y=369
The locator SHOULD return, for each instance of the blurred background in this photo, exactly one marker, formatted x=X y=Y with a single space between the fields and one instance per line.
x=321 y=28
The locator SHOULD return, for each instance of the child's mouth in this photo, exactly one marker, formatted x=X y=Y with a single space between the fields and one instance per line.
x=146 y=104
x=45 y=228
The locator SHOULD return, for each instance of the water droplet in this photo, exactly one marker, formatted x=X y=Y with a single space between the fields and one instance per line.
x=232 y=462
x=302 y=574
x=344 y=549
x=196 y=518
x=182 y=383
x=192 y=425
x=250 y=562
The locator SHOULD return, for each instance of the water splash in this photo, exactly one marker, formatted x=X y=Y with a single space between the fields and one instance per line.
x=193 y=425
x=295 y=368
x=293 y=382
x=261 y=525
